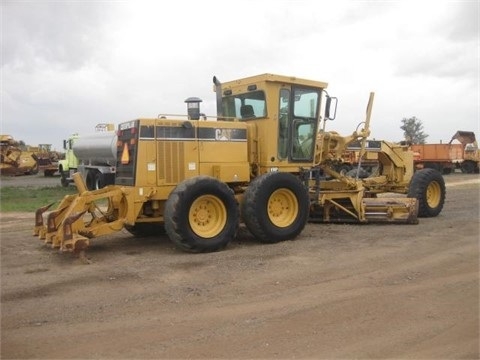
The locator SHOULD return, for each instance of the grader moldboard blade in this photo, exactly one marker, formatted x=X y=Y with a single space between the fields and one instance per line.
x=79 y=218
x=366 y=210
x=391 y=210
x=344 y=201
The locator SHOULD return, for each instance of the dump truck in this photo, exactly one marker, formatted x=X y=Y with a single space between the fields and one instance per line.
x=91 y=155
x=471 y=154
x=266 y=160
x=15 y=161
x=447 y=157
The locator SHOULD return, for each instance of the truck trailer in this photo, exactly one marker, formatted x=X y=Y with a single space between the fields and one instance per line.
x=446 y=158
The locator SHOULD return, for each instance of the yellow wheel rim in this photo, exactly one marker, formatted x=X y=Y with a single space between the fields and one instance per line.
x=207 y=216
x=433 y=194
x=282 y=208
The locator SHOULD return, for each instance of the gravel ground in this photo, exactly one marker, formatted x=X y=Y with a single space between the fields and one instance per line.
x=337 y=291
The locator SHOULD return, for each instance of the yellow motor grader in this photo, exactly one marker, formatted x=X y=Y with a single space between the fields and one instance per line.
x=265 y=160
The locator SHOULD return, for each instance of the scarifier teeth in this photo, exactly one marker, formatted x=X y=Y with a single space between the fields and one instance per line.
x=39 y=214
x=51 y=220
x=39 y=229
x=67 y=224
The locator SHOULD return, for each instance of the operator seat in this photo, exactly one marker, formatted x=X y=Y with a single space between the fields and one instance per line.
x=246 y=112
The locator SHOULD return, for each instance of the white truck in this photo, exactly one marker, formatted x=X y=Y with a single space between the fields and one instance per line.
x=92 y=155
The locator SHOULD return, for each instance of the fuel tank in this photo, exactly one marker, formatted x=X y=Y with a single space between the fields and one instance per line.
x=100 y=147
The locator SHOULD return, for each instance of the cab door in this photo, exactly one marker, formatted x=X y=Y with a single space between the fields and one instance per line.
x=298 y=123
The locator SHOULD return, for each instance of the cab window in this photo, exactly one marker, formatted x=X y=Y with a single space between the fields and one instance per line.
x=304 y=124
x=306 y=103
x=246 y=106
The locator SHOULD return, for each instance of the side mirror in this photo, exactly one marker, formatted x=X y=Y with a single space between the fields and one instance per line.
x=331 y=108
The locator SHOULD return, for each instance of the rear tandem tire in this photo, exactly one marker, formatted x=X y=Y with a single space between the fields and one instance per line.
x=468 y=167
x=99 y=182
x=201 y=215
x=90 y=180
x=428 y=187
x=276 y=207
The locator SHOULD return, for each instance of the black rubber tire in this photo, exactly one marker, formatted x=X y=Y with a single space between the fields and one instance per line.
x=255 y=207
x=99 y=181
x=63 y=176
x=428 y=187
x=90 y=180
x=64 y=181
x=34 y=170
x=180 y=203
x=468 y=167
x=362 y=174
x=344 y=169
x=146 y=229
x=109 y=179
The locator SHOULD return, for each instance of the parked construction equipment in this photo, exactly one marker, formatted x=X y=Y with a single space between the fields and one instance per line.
x=13 y=160
x=350 y=159
x=445 y=158
x=266 y=161
x=47 y=159
x=19 y=159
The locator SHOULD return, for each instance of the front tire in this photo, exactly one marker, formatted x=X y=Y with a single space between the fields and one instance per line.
x=201 y=215
x=428 y=187
x=63 y=176
x=63 y=180
x=275 y=207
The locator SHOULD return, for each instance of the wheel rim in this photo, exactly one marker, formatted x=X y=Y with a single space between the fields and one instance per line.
x=282 y=207
x=433 y=194
x=207 y=216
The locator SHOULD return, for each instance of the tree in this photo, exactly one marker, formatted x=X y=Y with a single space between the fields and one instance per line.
x=413 y=130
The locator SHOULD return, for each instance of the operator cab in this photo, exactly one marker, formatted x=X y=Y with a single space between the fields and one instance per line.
x=285 y=112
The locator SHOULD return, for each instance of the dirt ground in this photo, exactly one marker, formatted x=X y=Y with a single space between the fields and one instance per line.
x=337 y=291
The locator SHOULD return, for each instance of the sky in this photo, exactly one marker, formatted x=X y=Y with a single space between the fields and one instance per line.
x=69 y=65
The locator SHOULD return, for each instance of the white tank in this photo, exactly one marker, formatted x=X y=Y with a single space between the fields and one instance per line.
x=100 y=147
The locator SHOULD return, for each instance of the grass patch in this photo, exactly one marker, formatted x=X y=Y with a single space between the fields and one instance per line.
x=28 y=198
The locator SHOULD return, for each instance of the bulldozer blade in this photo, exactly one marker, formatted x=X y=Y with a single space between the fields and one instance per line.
x=391 y=210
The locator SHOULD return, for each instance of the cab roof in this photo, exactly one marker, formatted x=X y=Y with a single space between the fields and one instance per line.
x=275 y=78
